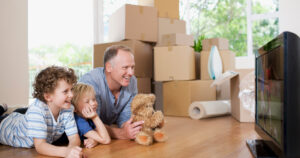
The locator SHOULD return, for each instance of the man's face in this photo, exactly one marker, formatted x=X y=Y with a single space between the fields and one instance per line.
x=122 y=68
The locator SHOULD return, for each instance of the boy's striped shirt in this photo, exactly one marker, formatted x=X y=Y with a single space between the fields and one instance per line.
x=18 y=130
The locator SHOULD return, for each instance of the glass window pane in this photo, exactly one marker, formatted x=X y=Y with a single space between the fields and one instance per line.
x=218 y=18
x=60 y=32
x=264 y=6
x=263 y=31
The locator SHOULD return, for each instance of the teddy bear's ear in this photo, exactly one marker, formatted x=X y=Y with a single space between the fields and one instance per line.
x=152 y=97
x=137 y=100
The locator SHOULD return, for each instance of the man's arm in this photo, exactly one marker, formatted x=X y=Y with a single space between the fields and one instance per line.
x=73 y=149
x=127 y=131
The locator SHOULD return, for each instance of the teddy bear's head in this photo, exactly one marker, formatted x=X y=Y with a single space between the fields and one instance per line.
x=142 y=104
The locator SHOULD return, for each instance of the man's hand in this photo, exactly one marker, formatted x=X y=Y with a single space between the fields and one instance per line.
x=88 y=112
x=74 y=152
x=90 y=143
x=130 y=128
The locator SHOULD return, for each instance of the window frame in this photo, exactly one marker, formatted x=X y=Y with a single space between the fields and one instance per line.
x=248 y=61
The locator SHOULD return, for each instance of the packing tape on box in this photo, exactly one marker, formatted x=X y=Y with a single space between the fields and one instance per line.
x=141 y=9
x=205 y=109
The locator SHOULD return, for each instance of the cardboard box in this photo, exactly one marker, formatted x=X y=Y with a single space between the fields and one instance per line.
x=168 y=26
x=143 y=56
x=223 y=91
x=166 y=8
x=221 y=43
x=177 y=39
x=144 y=85
x=178 y=95
x=174 y=63
x=228 y=62
x=237 y=110
x=133 y=22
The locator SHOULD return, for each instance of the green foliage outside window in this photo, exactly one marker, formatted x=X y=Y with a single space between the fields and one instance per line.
x=76 y=57
x=228 y=19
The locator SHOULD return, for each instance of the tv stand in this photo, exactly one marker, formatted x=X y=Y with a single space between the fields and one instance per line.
x=260 y=149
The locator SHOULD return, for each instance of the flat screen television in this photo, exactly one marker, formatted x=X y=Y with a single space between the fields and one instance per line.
x=277 y=95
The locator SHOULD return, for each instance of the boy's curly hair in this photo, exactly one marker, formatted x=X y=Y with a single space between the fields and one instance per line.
x=46 y=80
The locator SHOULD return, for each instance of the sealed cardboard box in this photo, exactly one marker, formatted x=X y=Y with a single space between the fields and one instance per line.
x=221 y=43
x=133 y=22
x=238 y=111
x=142 y=52
x=177 y=39
x=144 y=85
x=228 y=62
x=166 y=8
x=168 y=26
x=174 y=63
x=178 y=95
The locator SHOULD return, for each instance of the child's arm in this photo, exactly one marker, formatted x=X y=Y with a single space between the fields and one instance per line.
x=100 y=133
x=73 y=150
x=90 y=143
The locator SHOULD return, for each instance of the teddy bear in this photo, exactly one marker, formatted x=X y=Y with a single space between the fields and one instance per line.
x=142 y=109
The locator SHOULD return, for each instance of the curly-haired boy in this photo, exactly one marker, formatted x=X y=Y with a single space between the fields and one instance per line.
x=50 y=115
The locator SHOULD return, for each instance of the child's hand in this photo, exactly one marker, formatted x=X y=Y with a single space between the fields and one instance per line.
x=74 y=152
x=88 y=112
x=90 y=143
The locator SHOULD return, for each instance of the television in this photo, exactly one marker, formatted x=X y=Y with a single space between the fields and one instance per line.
x=277 y=98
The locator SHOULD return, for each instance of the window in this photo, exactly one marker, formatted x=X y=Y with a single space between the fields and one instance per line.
x=247 y=24
x=263 y=22
x=60 y=32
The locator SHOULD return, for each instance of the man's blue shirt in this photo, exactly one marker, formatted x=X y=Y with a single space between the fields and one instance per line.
x=107 y=111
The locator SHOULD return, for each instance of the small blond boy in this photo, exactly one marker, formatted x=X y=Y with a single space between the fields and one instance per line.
x=90 y=127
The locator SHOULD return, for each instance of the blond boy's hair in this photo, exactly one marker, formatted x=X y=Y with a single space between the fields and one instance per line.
x=80 y=89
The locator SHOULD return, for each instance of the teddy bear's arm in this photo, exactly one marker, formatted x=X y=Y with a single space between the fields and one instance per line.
x=156 y=119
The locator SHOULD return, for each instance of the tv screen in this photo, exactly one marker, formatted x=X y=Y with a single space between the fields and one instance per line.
x=270 y=93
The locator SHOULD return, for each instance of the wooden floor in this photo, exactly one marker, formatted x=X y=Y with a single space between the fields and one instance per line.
x=221 y=137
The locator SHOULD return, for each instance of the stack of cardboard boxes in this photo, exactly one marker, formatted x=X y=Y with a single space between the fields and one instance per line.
x=180 y=91
x=176 y=64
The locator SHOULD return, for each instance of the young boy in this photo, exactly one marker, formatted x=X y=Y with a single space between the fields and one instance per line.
x=47 y=118
x=88 y=122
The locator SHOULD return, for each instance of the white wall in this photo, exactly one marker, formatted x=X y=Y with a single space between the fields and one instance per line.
x=289 y=15
x=14 y=77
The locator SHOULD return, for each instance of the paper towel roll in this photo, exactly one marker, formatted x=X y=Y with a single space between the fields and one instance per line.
x=204 y=109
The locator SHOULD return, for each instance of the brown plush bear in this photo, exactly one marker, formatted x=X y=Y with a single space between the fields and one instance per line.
x=142 y=109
